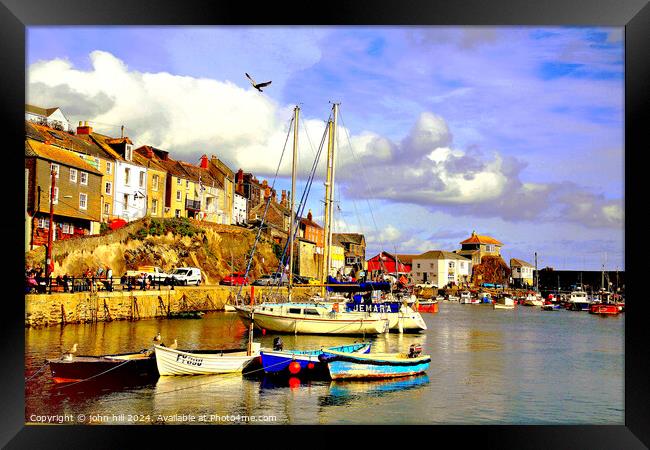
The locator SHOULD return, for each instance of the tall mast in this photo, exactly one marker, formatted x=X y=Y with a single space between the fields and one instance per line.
x=536 y=275
x=329 y=197
x=296 y=113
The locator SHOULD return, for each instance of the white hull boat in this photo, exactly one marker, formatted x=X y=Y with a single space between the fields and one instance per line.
x=306 y=318
x=504 y=303
x=203 y=362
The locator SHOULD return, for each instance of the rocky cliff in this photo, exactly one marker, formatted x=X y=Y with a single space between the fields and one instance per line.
x=168 y=243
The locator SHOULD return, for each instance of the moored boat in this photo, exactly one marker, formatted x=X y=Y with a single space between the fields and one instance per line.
x=171 y=361
x=375 y=365
x=311 y=318
x=304 y=362
x=504 y=303
x=605 y=309
x=533 y=299
x=429 y=306
x=551 y=306
x=124 y=366
x=578 y=301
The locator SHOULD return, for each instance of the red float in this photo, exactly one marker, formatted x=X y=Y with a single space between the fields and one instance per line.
x=294 y=367
x=310 y=365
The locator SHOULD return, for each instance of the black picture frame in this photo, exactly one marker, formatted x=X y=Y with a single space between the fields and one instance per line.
x=634 y=15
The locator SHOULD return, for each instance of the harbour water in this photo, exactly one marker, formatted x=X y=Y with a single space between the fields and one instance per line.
x=522 y=366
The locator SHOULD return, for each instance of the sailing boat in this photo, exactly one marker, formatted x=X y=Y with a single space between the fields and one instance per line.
x=318 y=317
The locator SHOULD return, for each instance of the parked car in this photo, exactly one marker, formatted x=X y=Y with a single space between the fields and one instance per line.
x=185 y=276
x=156 y=273
x=235 y=279
x=272 y=279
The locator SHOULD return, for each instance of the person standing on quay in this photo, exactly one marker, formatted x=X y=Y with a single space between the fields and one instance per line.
x=109 y=279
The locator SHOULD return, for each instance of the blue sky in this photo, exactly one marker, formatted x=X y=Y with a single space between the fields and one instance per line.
x=515 y=132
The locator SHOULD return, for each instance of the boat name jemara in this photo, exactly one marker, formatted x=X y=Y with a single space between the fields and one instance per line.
x=375 y=307
x=189 y=360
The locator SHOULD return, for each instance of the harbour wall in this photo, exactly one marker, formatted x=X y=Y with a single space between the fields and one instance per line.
x=43 y=310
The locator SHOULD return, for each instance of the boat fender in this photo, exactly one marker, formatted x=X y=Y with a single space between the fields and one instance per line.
x=335 y=307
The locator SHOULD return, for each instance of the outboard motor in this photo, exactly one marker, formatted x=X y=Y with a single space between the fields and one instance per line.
x=415 y=350
x=277 y=344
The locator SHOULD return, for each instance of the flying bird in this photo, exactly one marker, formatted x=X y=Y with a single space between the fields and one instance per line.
x=257 y=86
x=70 y=353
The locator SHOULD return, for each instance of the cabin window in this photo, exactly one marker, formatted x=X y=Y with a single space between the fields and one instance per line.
x=311 y=312
x=73 y=175
x=295 y=310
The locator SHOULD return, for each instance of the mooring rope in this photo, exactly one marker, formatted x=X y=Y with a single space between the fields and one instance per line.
x=38 y=371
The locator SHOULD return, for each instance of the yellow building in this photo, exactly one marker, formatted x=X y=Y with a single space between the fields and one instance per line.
x=156 y=181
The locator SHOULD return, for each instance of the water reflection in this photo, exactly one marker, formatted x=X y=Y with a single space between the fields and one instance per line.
x=342 y=392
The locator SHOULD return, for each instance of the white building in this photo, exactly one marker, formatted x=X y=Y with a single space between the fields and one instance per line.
x=441 y=268
x=130 y=190
x=521 y=272
x=239 y=209
x=52 y=117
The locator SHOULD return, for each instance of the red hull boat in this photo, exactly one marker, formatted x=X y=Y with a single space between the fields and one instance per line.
x=604 y=309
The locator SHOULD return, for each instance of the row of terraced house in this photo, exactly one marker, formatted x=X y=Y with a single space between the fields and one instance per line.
x=106 y=179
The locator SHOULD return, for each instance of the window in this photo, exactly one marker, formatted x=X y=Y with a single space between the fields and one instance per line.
x=83 y=178
x=127 y=172
x=108 y=188
x=187 y=184
x=178 y=196
x=431 y=265
x=154 y=207
x=55 y=167
x=126 y=201
x=154 y=182
x=97 y=163
x=451 y=264
x=418 y=266
x=73 y=175
x=489 y=248
x=177 y=213
x=43 y=223
x=109 y=167
x=67 y=228
x=107 y=208
x=178 y=181
x=311 y=312
x=83 y=201
x=141 y=179
x=295 y=310
x=56 y=195
x=127 y=152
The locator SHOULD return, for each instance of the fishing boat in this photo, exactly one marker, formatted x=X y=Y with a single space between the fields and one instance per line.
x=604 y=309
x=303 y=362
x=578 y=301
x=533 y=299
x=466 y=297
x=343 y=365
x=504 y=303
x=171 y=361
x=123 y=366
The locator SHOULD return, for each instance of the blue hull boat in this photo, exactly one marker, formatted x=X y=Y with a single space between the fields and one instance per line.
x=373 y=365
x=277 y=362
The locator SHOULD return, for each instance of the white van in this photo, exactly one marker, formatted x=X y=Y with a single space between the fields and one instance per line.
x=185 y=276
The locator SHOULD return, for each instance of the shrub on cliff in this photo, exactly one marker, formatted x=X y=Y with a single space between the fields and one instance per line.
x=158 y=227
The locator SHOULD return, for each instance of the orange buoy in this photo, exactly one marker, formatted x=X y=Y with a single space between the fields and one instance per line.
x=310 y=365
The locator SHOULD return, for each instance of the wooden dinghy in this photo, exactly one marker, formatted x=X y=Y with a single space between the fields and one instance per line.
x=203 y=362
x=343 y=365
x=123 y=366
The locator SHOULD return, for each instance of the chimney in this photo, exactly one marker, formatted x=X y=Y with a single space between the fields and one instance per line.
x=83 y=128
x=204 y=162
x=149 y=152
x=309 y=216
x=283 y=202
x=267 y=192
x=265 y=184
x=240 y=176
